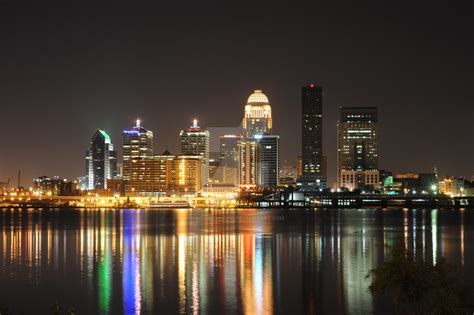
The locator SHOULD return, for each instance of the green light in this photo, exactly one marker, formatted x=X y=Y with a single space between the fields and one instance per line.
x=106 y=136
x=433 y=187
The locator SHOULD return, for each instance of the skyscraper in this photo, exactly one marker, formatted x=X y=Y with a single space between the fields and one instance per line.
x=257 y=115
x=137 y=144
x=269 y=160
x=229 y=150
x=195 y=141
x=312 y=132
x=101 y=161
x=249 y=158
x=357 y=140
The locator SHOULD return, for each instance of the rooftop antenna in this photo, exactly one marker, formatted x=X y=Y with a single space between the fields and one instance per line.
x=195 y=123
x=138 y=123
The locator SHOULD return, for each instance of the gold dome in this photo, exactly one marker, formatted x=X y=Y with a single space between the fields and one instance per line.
x=257 y=97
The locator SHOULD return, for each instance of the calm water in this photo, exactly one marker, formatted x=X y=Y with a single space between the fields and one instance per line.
x=212 y=261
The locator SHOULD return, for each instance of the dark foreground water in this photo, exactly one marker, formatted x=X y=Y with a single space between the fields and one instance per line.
x=215 y=261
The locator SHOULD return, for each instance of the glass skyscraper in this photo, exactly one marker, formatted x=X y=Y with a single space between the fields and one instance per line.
x=101 y=161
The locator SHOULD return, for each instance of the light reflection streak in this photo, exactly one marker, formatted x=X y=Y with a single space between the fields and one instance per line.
x=192 y=268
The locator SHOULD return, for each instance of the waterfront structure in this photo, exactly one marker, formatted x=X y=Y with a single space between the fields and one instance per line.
x=357 y=140
x=183 y=175
x=414 y=183
x=195 y=142
x=368 y=179
x=269 y=160
x=249 y=157
x=53 y=186
x=137 y=144
x=148 y=175
x=101 y=161
x=257 y=115
x=452 y=186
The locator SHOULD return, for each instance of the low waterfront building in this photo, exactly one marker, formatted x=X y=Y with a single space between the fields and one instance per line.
x=54 y=186
x=228 y=191
x=367 y=179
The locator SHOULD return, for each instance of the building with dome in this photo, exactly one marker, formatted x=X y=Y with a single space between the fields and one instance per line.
x=257 y=115
x=259 y=150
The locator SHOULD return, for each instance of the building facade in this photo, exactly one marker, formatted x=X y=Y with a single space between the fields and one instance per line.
x=137 y=144
x=101 y=161
x=195 y=142
x=312 y=130
x=183 y=175
x=148 y=175
x=368 y=179
x=249 y=157
x=357 y=140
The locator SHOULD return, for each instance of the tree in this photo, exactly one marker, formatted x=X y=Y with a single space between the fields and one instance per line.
x=417 y=286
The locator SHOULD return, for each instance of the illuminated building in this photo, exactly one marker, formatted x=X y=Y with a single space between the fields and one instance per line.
x=148 y=175
x=195 y=141
x=137 y=144
x=257 y=115
x=269 y=160
x=360 y=179
x=101 y=161
x=299 y=166
x=220 y=191
x=249 y=156
x=54 y=186
x=183 y=175
x=452 y=186
x=357 y=140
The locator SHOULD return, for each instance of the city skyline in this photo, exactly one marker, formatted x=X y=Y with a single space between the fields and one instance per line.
x=76 y=83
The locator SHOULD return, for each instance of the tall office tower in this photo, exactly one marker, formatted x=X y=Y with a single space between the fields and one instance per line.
x=229 y=150
x=137 y=144
x=312 y=133
x=101 y=161
x=357 y=140
x=249 y=158
x=257 y=116
x=269 y=160
x=195 y=141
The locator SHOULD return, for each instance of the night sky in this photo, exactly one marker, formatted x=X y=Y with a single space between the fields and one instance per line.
x=66 y=71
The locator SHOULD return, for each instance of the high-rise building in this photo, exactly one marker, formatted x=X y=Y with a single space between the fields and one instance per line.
x=312 y=132
x=229 y=150
x=269 y=160
x=137 y=144
x=101 y=161
x=357 y=140
x=257 y=115
x=249 y=158
x=195 y=141
x=183 y=175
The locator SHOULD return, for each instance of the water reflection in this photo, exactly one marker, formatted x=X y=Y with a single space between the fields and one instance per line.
x=203 y=261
